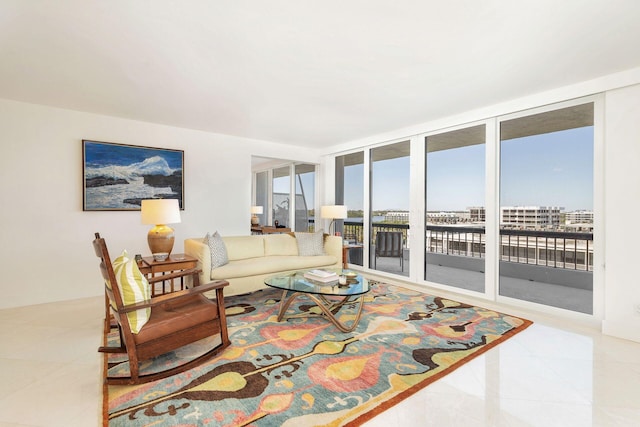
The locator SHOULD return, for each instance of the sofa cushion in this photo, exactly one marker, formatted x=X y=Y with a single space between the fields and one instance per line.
x=270 y=265
x=241 y=247
x=217 y=249
x=280 y=244
x=310 y=244
x=133 y=287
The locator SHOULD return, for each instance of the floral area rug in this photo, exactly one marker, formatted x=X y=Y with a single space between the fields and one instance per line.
x=304 y=372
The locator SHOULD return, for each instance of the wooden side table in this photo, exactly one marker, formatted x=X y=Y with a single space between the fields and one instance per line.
x=265 y=229
x=174 y=264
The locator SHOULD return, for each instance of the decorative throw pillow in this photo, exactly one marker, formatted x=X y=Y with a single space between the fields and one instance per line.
x=310 y=244
x=133 y=287
x=217 y=249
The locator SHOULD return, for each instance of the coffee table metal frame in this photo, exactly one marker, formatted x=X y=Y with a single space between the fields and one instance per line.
x=295 y=284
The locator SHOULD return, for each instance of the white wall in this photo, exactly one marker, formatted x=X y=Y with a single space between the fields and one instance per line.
x=46 y=253
x=622 y=203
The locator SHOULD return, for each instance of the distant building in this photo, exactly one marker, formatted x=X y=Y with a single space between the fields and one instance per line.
x=441 y=217
x=520 y=217
x=476 y=214
x=397 y=217
x=578 y=217
x=533 y=217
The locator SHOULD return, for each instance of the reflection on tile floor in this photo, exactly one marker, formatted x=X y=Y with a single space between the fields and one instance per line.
x=545 y=376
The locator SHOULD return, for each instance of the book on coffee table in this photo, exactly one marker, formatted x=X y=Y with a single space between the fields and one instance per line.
x=321 y=276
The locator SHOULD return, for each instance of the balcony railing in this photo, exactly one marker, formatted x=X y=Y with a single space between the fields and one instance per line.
x=354 y=231
x=465 y=241
x=549 y=248
x=565 y=250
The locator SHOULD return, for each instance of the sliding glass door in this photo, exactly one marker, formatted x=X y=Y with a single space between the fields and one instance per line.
x=455 y=208
x=280 y=196
x=389 y=213
x=349 y=191
x=508 y=206
x=273 y=191
x=262 y=195
x=305 y=176
x=546 y=207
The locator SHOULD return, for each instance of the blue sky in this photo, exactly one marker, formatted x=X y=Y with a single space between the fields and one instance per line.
x=353 y=192
x=554 y=169
x=281 y=185
x=455 y=178
x=391 y=184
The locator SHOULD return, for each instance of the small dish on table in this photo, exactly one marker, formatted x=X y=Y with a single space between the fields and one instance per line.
x=350 y=274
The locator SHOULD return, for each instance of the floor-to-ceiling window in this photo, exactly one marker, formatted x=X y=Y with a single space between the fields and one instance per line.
x=262 y=195
x=305 y=176
x=349 y=191
x=531 y=239
x=389 y=209
x=546 y=207
x=455 y=208
x=281 y=196
x=273 y=189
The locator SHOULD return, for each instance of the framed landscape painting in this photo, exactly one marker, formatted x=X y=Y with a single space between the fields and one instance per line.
x=119 y=177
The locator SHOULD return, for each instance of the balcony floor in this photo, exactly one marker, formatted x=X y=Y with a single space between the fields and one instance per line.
x=565 y=297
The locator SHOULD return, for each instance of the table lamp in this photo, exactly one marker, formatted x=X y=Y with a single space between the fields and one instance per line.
x=255 y=211
x=160 y=212
x=333 y=212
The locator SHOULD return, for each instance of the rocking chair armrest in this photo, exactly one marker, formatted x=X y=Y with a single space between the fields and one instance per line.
x=218 y=284
x=161 y=299
x=169 y=276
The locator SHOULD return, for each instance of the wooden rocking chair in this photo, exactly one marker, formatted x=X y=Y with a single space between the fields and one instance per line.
x=176 y=319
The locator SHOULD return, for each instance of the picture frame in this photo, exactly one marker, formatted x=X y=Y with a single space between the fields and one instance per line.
x=117 y=177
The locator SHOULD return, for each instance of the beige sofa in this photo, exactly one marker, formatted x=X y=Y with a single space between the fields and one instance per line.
x=253 y=258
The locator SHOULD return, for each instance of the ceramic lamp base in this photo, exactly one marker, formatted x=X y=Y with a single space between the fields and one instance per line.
x=160 y=239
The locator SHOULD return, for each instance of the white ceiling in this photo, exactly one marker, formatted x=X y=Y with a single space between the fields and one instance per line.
x=309 y=73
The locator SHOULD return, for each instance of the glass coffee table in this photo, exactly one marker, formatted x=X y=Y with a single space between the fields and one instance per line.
x=329 y=297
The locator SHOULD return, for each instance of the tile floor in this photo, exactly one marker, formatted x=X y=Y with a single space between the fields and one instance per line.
x=545 y=376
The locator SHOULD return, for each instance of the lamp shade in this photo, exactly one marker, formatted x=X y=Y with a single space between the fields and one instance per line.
x=255 y=211
x=160 y=211
x=333 y=211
